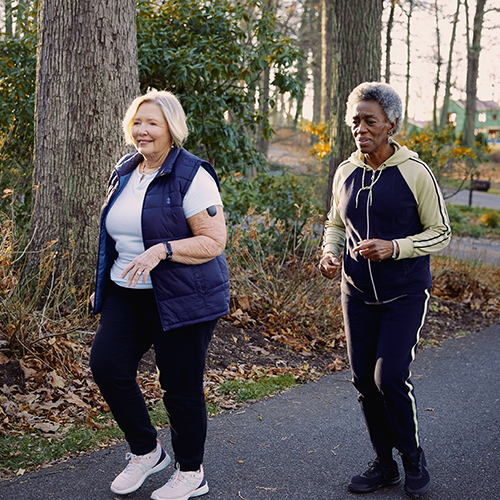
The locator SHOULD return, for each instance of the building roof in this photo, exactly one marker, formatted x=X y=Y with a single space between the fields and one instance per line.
x=480 y=105
x=418 y=123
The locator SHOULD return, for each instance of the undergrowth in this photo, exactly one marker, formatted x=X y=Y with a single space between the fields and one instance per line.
x=46 y=332
x=476 y=222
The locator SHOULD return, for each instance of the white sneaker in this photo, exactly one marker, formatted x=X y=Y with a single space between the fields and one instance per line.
x=182 y=485
x=138 y=469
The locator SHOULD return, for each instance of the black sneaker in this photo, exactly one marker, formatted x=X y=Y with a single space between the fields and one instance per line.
x=418 y=480
x=379 y=474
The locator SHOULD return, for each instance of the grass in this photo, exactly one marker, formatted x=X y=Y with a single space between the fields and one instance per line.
x=28 y=451
x=248 y=390
x=24 y=451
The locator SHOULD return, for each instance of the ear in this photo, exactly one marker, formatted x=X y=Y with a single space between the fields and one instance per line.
x=393 y=127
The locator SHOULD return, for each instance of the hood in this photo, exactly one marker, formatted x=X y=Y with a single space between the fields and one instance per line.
x=401 y=155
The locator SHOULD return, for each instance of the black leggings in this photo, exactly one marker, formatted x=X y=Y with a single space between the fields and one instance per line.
x=381 y=341
x=129 y=326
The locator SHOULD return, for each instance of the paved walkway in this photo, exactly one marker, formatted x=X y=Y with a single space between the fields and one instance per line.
x=306 y=443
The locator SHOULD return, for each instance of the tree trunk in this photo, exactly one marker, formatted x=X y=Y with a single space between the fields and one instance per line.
x=7 y=5
x=86 y=78
x=355 y=24
x=326 y=59
x=263 y=142
x=473 y=51
x=439 y=62
x=388 y=42
x=408 y=65
x=447 y=85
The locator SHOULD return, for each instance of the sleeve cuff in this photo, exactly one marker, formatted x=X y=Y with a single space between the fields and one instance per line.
x=405 y=248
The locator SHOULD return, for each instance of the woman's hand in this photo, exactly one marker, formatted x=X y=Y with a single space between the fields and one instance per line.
x=375 y=250
x=329 y=265
x=144 y=263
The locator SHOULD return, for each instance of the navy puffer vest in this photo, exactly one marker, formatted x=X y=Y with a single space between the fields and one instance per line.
x=185 y=294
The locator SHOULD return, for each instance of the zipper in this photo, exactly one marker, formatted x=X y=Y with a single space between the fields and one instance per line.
x=368 y=233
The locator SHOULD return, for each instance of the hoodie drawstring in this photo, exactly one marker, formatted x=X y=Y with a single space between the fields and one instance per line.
x=375 y=178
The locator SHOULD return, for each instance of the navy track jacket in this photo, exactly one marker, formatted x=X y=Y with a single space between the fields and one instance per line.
x=400 y=201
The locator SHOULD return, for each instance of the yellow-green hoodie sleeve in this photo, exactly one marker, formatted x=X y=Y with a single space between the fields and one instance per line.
x=432 y=211
x=334 y=235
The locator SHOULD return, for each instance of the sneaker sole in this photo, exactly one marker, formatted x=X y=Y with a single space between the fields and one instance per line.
x=202 y=490
x=355 y=489
x=136 y=486
x=418 y=493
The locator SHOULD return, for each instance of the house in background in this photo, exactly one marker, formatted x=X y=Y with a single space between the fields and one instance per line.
x=487 y=118
x=416 y=126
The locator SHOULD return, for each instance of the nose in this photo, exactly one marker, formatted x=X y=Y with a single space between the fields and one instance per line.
x=360 y=127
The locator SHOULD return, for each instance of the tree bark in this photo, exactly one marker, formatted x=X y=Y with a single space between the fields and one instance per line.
x=7 y=5
x=408 y=64
x=86 y=77
x=388 y=42
x=473 y=51
x=447 y=85
x=355 y=24
x=326 y=59
x=439 y=62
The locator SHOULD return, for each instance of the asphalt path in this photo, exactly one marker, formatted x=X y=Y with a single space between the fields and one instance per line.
x=479 y=199
x=307 y=442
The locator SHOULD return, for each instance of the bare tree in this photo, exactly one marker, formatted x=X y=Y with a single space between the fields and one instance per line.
x=326 y=58
x=439 y=62
x=473 y=51
x=86 y=77
x=388 y=41
x=408 y=13
x=447 y=85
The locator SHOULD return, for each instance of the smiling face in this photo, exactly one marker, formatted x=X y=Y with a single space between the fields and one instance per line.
x=150 y=132
x=371 y=128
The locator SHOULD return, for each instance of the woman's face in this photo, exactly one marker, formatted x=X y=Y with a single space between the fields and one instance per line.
x=370 y=127
x=150 y=131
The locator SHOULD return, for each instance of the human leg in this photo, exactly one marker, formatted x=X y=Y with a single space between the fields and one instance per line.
x=180 y=357
x=122 y=338
x=400 y=326
x=119 y=344
x=362 y=323
x=401 y=323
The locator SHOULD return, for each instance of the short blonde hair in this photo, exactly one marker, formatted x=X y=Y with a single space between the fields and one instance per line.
x=171 y=109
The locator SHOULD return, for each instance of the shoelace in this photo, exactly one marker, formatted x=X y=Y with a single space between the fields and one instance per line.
x=373 y=469
x=182 y=478
x=133 y=460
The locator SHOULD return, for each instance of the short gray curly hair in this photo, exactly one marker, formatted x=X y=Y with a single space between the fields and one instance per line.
x=379 y=92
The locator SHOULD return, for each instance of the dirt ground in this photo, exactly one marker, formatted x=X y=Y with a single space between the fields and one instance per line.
x=235 y=346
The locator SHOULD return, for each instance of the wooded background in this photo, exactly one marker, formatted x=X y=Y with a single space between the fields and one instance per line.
x=241 y=68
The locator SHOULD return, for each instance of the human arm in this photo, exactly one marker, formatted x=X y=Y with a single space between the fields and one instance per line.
x=431 y=208
x=208 y=241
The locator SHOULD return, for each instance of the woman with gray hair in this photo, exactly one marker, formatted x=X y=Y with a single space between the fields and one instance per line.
x=387 y=216
x=162 y=281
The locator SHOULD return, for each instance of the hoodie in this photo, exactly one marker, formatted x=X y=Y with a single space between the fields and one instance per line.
x=401 y=201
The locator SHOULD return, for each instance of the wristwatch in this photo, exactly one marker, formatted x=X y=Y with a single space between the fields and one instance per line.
x=168 y=247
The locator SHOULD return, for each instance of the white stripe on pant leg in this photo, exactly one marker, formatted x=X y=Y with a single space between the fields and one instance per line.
x=413 y=351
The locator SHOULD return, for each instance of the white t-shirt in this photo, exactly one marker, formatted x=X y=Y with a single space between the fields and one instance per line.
x=123 y=222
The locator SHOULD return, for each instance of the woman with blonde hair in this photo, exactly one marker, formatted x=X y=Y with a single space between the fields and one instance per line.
x=162 y=281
